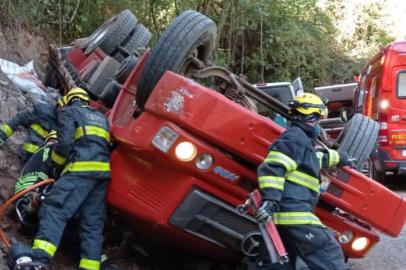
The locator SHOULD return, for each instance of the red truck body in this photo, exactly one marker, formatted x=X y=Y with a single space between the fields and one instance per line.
x=381 y=95
x=190 y=203
x=190 y=208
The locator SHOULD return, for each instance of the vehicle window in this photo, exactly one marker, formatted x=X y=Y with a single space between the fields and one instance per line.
x=281 y=93
x=402 y=84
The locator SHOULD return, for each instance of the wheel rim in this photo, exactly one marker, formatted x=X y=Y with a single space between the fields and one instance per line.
x=194 y=60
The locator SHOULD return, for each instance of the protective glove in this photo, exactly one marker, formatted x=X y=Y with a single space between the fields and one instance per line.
x=266 y=209
x=353 y=162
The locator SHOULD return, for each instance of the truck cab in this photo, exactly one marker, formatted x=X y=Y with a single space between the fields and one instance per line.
x=186 y=154
x=381 y=95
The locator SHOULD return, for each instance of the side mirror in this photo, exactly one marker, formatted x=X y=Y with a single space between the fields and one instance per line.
x=298 y=86
x=344 y=116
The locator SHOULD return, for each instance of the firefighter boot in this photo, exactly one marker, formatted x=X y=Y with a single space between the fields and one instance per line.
x=107 y=265
x=21 y=257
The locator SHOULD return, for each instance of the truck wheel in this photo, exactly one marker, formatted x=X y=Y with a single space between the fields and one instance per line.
x=359 y=138
x=376 y=175
x=125 y=69
x=138 y=38
x=189 y=37
x=114 y=31
x=110 y=93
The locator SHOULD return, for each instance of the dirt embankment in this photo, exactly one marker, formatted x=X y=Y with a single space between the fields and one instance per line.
x=21 y=45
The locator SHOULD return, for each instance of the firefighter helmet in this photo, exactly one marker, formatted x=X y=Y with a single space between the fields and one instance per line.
x=61 y=102
x=308 y=104
x=77 y=93
x=51 y=135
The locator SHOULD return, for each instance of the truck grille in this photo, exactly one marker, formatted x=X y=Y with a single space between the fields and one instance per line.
x=213 y=220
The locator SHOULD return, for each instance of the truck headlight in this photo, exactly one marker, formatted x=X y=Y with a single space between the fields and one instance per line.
x=360 y=243
x=204 y=161
x=345 y=237
x=185 y=151
x=384 y=104
x=165 y=138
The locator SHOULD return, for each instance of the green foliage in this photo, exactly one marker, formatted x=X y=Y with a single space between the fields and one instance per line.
x=267 y=40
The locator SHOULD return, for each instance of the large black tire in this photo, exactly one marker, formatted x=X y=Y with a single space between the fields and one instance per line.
x=359 y=139
x=125 y=69
x=378 y=176
x=191 y=33
x=112 y=33
x=139 y=37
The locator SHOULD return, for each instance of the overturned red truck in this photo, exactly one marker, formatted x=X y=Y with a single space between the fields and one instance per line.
x=186 y=155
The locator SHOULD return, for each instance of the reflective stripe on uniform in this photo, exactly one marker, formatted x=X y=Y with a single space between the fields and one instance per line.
x=271 y=182
x=320 y=156
x=39 y=130
x=92 y=130
x=46 y=246
x=57 y=158
x=296 y=218
x=84 y=166
x=7 y=130
x=30 y=147
x=281 y=158
x=333 y=157
x=89 y=264
x=305 y=180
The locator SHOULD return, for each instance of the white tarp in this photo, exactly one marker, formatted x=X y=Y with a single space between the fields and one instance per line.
x=25 y=79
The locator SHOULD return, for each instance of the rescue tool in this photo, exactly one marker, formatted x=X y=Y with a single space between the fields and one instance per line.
x=270 y=234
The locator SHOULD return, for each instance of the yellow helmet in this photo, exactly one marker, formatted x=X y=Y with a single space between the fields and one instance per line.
x=77 y=93
x=51 y=135
x=308 y=104
x=61 y=102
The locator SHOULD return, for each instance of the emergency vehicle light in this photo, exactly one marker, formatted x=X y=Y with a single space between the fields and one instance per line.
x=384 y=104
x=360 y=243
x=165 y=138
x=185 y=151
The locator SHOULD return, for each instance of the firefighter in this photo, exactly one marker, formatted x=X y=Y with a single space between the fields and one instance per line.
x=290 y=186
x=39 y=121
x=83 y=152
x=35 y=170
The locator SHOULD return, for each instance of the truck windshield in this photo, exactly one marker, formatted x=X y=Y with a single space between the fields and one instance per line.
x=401 y=91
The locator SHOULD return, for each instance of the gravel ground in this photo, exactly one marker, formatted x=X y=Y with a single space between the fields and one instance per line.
x=389 y=253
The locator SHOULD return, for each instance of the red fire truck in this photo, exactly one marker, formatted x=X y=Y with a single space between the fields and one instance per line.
x=186 y=154
x=380 y=95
